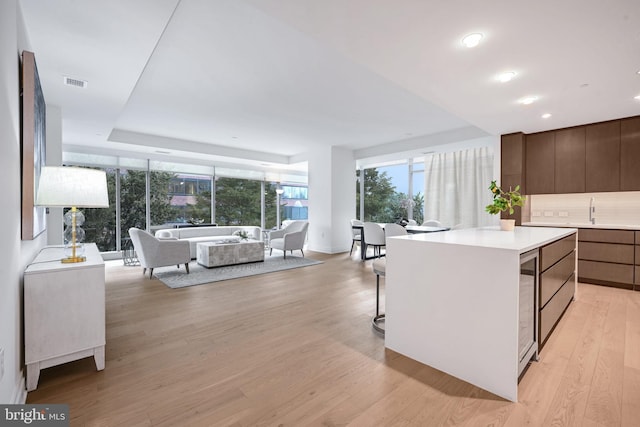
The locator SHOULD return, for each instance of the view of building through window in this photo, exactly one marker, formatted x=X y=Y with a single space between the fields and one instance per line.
x=190 y=197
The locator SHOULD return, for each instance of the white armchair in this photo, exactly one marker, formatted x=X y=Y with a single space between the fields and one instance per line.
x=290 y=238
x=153 y=252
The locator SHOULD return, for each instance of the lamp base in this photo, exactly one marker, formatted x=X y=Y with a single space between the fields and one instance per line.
x=72 y=259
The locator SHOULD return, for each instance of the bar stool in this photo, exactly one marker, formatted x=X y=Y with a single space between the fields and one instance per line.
x=379 y=267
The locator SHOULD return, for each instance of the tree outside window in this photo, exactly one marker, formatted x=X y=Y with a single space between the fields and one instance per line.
x=382 y=203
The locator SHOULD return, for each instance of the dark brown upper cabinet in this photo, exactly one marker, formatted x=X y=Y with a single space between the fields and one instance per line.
x=540 y=163
x=512 y=153
x=570 y=160
x=603 y=157
x=598 y=157
x=512 y=150
x=630 y=154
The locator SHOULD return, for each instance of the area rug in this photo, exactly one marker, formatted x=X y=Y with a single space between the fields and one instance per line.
x=178 y=278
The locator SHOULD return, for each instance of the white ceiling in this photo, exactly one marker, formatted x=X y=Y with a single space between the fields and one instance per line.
x=267 y=81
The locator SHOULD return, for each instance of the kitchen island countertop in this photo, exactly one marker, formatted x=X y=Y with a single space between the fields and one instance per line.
x=522 y=239
x=452 y=301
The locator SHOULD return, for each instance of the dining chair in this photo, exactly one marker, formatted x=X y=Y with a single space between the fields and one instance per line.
x=373 y=236
x=392 y=229
x=432 y=223
x=356 y=234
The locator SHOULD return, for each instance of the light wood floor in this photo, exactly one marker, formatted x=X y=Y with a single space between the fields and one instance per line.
x=296 y=348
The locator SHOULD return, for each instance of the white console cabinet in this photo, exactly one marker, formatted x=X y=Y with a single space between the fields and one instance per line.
x=64 y=311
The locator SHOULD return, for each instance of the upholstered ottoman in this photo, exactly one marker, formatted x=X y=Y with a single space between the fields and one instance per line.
x=213 y=254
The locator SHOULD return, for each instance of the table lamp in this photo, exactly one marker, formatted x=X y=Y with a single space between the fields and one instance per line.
x=61 y=186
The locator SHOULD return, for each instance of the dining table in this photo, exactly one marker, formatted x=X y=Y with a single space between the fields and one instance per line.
x=411 y=229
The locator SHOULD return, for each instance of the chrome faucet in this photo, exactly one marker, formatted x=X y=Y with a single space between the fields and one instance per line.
x=592 y=210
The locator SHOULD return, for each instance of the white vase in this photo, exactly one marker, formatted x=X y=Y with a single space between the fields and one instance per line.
x=507 y=224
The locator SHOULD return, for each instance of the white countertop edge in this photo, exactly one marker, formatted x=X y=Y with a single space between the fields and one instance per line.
x=570 y=225
x=568 y=232
x=521 y=240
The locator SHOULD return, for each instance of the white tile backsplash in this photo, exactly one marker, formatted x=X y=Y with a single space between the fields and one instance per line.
x=621 y=208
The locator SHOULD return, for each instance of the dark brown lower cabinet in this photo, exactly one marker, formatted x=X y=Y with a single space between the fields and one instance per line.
x=606 y=273
x=608 y=257
x=557 y=284
x=551 y=313
x=636 y=281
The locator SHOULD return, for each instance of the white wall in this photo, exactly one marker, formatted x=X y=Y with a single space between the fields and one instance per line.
x=332 y=201
x=14 y=253
x=343 y=195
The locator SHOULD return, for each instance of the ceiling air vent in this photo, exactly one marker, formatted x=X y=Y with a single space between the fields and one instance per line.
x=75 y=82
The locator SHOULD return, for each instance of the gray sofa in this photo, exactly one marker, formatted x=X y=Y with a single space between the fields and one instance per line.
x=195 y=235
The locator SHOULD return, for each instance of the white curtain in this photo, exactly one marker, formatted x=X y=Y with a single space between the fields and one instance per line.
x=456 y=187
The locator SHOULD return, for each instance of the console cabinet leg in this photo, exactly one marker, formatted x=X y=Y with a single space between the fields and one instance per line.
x=33 y=375
x=98 y=356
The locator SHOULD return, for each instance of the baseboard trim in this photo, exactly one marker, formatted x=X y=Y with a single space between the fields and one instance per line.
x=20 y=392
x=330 y=250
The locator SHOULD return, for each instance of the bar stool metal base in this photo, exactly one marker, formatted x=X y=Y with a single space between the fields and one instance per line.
x=378 y=318
x=375 y=322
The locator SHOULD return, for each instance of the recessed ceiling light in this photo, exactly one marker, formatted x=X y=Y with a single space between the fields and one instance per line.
x=506 y=77
x=528 y=100
x=637 y=97
x=546 y=115
x=472 y=40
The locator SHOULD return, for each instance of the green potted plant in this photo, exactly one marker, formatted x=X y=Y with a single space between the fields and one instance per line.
x=505 y=201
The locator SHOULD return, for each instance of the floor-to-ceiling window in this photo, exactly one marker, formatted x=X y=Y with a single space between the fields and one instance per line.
x=163 y=212
x=295 y=203
x=189 y=197
x=153 y=194
x=100 y=223
x=133 y=209
x=238 y=201
x=391 y=192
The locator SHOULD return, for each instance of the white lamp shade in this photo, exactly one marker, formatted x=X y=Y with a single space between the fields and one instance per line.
x=61 y=186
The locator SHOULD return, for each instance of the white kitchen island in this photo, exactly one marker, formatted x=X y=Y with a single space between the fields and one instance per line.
x=452 y=300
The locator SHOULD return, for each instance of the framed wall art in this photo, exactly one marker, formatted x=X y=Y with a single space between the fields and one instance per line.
x=33 y=140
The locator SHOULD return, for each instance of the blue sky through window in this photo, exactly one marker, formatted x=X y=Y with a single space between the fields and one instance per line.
x=400 y=178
